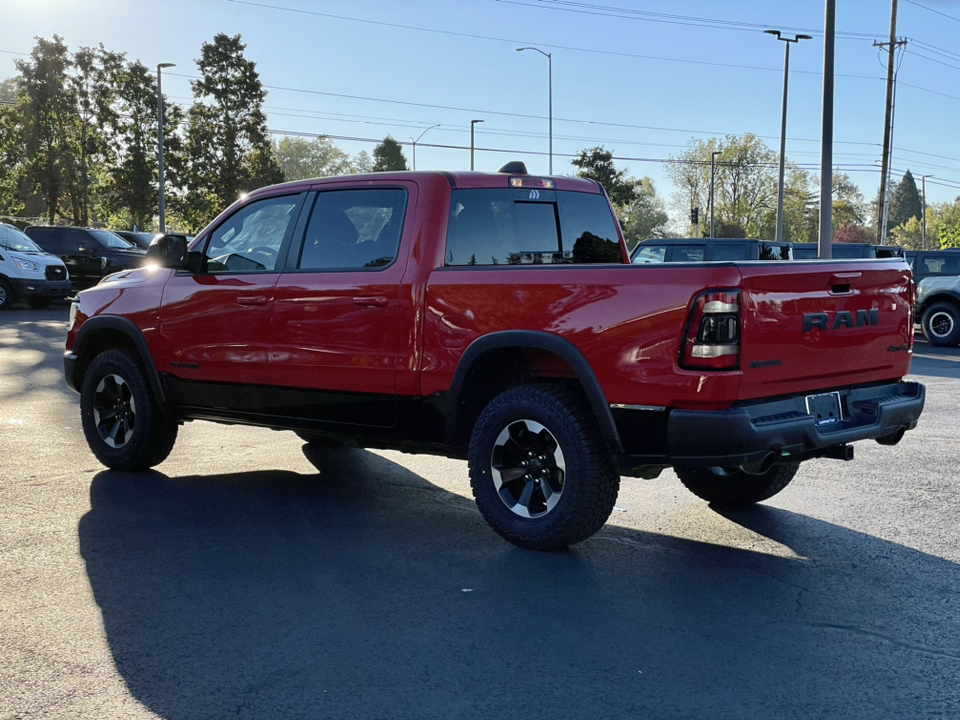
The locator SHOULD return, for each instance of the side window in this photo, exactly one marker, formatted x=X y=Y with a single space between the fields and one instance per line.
x=589 y=229
x=644 y=254
x=729 y=251
x=941 y=264
x=688 y=253
x=250 y=239
x=75 y=242
x=774 y=252
x=503 y=227
x=354 y=229
x=50 y=242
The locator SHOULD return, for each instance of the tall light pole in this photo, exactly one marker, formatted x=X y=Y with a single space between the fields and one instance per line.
x=783 y=121
x=923 y=211
x=473 y=124
x=825 y=245
x=713 y=158
x=418 y=140
x=550 y=91
x=160 y=67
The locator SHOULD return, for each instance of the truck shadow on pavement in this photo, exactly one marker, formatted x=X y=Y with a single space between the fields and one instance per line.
x=364 y=591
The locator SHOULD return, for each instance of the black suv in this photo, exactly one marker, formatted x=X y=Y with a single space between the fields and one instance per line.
x=88 y=253
x=842 y=251
x=658 y=250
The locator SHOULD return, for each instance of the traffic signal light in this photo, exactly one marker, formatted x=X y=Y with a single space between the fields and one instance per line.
x=694 y=216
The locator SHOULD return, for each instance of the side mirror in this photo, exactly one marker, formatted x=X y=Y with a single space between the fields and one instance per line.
x=169 y=251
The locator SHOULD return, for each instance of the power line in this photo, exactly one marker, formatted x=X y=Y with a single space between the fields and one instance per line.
x=930 y=9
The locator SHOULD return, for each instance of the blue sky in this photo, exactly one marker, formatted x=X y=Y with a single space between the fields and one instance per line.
x=639 y=84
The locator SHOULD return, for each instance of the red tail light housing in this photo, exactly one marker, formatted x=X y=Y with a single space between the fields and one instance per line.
x=711 y=340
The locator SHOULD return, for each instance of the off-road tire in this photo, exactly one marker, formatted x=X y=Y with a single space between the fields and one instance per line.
x=6 y=295
x=586 y=489
x=941 y=324
x=735 y=487
x=124 y=426
x=40 y=303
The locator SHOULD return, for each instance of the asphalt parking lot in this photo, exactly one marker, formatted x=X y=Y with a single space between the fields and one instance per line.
x=251 y=577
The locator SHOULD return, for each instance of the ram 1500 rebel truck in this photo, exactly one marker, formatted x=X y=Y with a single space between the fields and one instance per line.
x=496 y=318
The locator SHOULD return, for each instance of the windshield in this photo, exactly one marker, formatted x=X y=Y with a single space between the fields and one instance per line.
x=108 y=239
x=13 y=239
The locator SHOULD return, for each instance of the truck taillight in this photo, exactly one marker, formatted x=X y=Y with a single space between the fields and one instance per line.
x=712 y=337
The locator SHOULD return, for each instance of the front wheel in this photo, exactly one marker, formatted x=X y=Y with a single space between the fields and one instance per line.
x=941 y=324
x=735 y=487
x=6 y=294
x=124 y=426
x=539 y=470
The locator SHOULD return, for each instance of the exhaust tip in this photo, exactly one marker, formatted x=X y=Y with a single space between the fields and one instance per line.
x=892 y=438
x=761 y=466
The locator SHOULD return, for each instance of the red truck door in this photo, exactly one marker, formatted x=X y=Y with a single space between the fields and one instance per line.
x=337 y=309
x=215 y=325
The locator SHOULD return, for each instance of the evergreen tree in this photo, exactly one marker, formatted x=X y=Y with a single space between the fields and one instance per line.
x=597 y=164
x=388 y=155
x=228 y=150
x=906 y=202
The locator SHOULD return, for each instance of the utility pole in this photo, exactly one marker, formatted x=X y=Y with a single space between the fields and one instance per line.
x=887 y=127
x=713 y=175
x=825 y=245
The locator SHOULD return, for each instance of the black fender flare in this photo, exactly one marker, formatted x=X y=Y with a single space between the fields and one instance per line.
x=531 y=339
x=948 y=295
x=135 y=334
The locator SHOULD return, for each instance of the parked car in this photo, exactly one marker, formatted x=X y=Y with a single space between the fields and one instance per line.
x=841 y=251
x=27 y=272
x=89 y=253
x=495 y=318
x=657 y=250
x=927 y=263
x=141 y=239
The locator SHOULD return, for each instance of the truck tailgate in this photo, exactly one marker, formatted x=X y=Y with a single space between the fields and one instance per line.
x=814 y=326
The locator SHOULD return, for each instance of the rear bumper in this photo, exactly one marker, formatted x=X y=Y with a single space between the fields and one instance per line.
x=750 y=432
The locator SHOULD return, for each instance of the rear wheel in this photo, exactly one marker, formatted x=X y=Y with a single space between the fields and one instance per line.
x=6 y=295
x=124 y=426
x=735 y=487
x=941 y=324
x=539 y=470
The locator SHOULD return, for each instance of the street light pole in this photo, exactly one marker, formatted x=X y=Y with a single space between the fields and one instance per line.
x=550 y=96
x=418 y=140
x=783 y=122
x=713 y=158
x=923 y=211
x=473 y=124
x=162 y=208
x=825 y=242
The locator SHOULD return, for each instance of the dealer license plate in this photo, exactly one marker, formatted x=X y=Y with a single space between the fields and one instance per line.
x=825 y=408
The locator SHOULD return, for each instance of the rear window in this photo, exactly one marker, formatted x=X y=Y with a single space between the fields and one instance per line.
x=730 y=251
x=774 y=252
x=524 y=227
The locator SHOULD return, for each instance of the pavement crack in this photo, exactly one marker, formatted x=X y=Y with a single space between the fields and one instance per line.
x=888 y=639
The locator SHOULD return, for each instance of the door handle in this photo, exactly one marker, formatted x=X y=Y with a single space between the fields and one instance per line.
x=252 y=300
x=377 y=301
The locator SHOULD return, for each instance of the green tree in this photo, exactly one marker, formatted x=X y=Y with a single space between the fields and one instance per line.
x=906 y=202
x=47 y=118
x=645 y=216
x=8 y=91
x=388 y=155
x=745 y=183
x=362 y=162
x=130 y=128
x=909 y=235
x=11 y=161
x=597 y=164
x=228 y=151
x=850 y=233
x=300 y=158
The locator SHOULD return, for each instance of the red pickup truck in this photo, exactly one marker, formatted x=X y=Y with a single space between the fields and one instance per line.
x=497 y=318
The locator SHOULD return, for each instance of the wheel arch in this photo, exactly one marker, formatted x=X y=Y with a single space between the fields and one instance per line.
x=528 y=356
x=109 y=332
x=950 y=296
